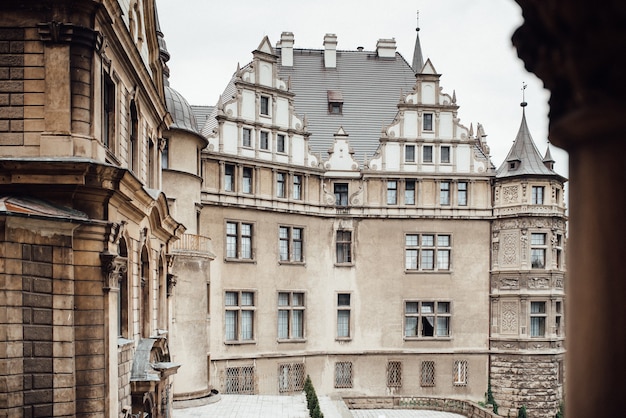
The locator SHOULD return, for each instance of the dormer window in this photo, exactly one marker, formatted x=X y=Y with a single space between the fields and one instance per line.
x=335 y=102
x=513 y=164
x=265 y=105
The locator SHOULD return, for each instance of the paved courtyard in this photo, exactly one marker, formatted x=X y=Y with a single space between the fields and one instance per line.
x=249 y=406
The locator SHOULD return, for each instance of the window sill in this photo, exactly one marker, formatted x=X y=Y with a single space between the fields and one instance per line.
x=344 y=264
x=427 y=271
x=291 y=340
x=121 y=341
x=343 y=339
x=291 y=263
x=247 y=342
x=239 y=260
x=427 y=338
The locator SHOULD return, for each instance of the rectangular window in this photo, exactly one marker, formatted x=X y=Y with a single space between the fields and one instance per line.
x=238 y=240
x=427 y=252
x=461 y=188
x=281 y=179
x=428 y=121
x=343 y=374
x=426 y=319
x=280 y=143
x=409 y=153
x=265 y=105
x=247 y=137
x=246 y=180
x=343 y=315
x=341 y=194
x=291 y=244
x=240 y=380
x=559 y=251
x=290 y=315
x=427 y=375
x=335 y=108
x=558 y=316
x=291 y=377
x=239 y=316
x=108 y=111
x=427 y=154
x=538 y=250
x=444 y=193
x=537 y=319
x=460 y=373
x=392 y=192
x=165 y=154
x=297 y=187
x=409 y=192
x=264 y=140
x=445 y=154
x=344 y=247
x=537 y=195
x=229 y=177
x=394 y=374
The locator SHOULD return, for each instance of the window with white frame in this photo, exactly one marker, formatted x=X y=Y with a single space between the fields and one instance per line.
x=264 y=140
x=343 y=315
x=394 y=374
x=409 y=192
x=239 y=316
x=538 y=250
x=238 y=240
x=392 y=192
x=291 y=377
x=460 y=373
x=428 y=122
x=537 y=195
x=290 y=242
x=281 y=184
x=461 y=197
x=444 y=156
x=240 y=380
x=426 y=319
x=229 y=177
x=537 y=319
x=297 y=187
x=427 y=373
x=343 y=246
x=246 y=137
x=427 y=154
x=427 y=252
x=280 y=143
x=265 y=105
x=246 y=180
x=444 y=193
x=343 y=374
x=290 y=315
x=409 y=153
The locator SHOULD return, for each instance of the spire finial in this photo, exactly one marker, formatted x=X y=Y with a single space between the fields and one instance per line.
x=523 y=104
x=417 y=28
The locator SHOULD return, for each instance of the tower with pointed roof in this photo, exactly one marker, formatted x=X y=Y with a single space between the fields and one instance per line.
x=527 y=280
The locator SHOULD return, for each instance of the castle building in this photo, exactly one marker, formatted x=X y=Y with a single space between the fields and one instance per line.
x=331 y=216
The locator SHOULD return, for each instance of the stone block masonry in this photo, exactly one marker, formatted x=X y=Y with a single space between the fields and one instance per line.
x=11 y=86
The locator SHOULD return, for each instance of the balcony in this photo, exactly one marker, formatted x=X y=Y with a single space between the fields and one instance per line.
x=193 y=243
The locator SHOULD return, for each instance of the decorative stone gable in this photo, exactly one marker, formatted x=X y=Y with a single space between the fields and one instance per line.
x=341 y=160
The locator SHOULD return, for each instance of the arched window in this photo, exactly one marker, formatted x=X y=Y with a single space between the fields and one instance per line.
x=146 y=284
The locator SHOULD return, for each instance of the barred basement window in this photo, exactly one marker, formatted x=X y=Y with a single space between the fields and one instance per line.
x=290 y=377
x=460 y=373
x=394 y=374
x=427 y=377
x=343 y=374
x=240 y=380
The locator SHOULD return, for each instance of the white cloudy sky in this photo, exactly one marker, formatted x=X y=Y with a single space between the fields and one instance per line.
x=468 y=42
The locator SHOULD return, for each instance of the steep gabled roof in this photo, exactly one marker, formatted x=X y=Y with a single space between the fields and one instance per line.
x=524 y=158
x=370 y=88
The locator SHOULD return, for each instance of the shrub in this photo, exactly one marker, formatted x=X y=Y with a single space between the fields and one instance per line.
x=312 y=402
x=521 y=412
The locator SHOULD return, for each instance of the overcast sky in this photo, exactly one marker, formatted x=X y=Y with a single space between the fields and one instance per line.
x=468 y=42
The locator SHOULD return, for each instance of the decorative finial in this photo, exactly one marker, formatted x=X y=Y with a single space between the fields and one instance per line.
x=523 y=104
x=417 y=28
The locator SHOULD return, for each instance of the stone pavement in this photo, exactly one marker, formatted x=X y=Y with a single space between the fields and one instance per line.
x=264 y=406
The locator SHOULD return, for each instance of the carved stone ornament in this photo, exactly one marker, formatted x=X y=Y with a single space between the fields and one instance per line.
x=538 y=282
x=113 y=268
x=171 y=282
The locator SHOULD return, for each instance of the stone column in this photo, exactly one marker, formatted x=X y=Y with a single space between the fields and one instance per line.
x=573 y=48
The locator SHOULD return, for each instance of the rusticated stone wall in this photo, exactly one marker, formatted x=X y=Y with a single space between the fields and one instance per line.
x=11 y=86
x=465 y=408
x=534 y=381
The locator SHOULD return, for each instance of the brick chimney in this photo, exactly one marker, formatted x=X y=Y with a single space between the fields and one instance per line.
x=330 y=50
x=286 y=49
x=386 y=48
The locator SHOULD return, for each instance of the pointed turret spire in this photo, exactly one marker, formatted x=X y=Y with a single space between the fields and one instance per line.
x=164 y=55
x=548 y=161
x=418 y=60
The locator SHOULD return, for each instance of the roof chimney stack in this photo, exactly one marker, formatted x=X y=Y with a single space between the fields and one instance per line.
x=386 y=48
x=330 y=50
x=286 y=49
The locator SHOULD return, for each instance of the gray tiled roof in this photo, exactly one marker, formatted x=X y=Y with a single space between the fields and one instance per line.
x=180 y=110
x=201 y=113
x=370 y=87
x=525 y=153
